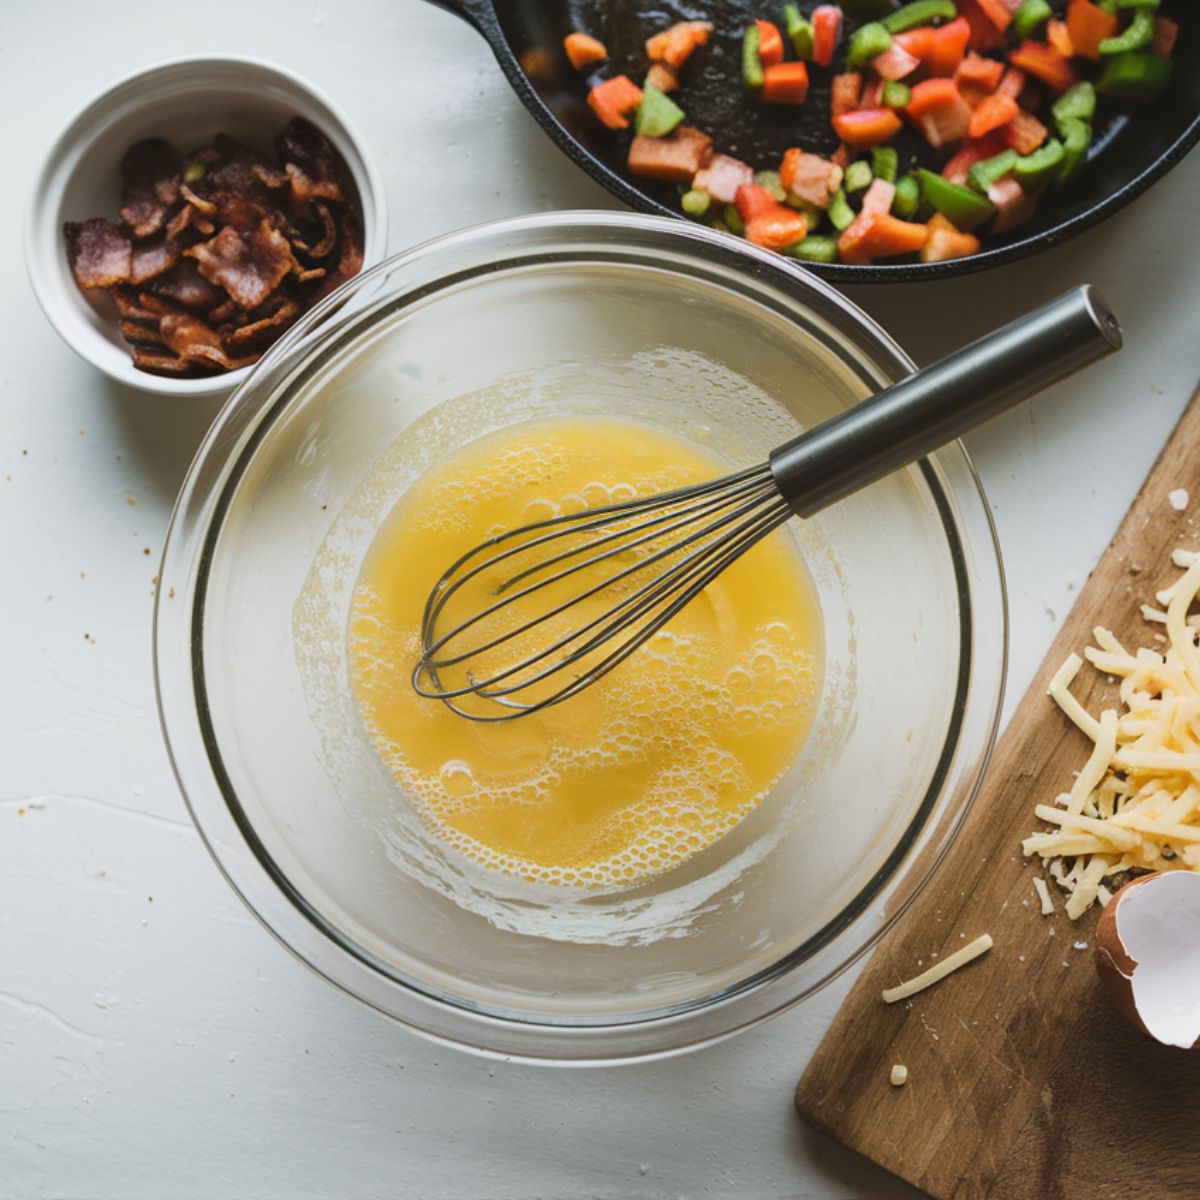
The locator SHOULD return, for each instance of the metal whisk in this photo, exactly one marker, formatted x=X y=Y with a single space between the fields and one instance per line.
x=648 y=557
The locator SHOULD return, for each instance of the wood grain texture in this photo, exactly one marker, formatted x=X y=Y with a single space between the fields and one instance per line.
x=1024 y=1083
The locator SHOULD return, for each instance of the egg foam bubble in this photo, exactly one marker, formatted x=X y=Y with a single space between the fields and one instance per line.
x=650 y=765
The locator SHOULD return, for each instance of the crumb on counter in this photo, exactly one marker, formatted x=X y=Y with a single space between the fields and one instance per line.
x=1178 y=499
x=899 y=1075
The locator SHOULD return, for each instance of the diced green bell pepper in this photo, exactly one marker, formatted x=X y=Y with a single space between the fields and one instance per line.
x=657 y=114
x=858 y=176
x=733 y=220
x=841 y=215
x=772 y=183
x=1137 y=3
x=1030 y=17
x=1078 y=102
x=1134 y=76
x=885 y=163
x=1043 y=164
x=963 y=208
x=1136 y=35
x=908 y=196
x=983 y=174
x=868 y=43
x=752 y=70
x=895 y=94
x=812 y=214
x=695 y=202
x=1076 y=136
x=815 y=249
x=921 y=12
x=799 y=31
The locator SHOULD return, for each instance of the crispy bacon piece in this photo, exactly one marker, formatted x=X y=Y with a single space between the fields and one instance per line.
x=151 y=259
x=149 y=186
x=99 y=253
x=311 y=164
x=249 y=267
x=184 y=284
x=243 y=335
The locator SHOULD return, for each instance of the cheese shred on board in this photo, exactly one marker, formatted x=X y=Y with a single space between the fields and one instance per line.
x=1135 y=804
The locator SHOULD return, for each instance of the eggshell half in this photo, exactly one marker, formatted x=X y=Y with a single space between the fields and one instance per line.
x=1148 y=955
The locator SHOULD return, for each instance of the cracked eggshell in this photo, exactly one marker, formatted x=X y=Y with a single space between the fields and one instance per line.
x=1148 y=955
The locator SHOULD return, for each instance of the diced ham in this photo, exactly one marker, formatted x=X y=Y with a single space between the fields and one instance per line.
x=872 y=95
x=1013 y=206
x=879 y=196
x=662 y=77
x=1012 y=82
x=958 y=166
x=895 y=62
x=722 y=176
x=676 y=158
x=810 y=178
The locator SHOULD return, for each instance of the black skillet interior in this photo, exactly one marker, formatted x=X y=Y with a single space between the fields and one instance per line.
x=1133 y=145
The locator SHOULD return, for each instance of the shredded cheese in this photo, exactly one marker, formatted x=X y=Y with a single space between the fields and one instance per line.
x=939 y=971
x=1135 y=803
x=1043 y=892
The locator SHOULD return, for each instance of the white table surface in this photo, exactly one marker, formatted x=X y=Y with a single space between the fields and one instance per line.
x=155 y=1042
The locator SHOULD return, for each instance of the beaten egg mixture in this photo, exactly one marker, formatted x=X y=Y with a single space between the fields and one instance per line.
x=650 y=765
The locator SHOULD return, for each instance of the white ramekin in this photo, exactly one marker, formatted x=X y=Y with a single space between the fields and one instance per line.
x=187 y=101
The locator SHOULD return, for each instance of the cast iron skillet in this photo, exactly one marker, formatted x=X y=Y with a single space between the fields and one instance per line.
x=1133 y=145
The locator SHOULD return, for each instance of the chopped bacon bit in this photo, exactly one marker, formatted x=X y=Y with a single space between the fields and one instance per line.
x=280 y=319
x=249 y=269
x=99 y=253
x=149 y=186
x=184 y=284
x=149 y=260
x=675 y=158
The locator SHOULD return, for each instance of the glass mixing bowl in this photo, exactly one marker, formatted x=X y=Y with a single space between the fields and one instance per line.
x=551 y=315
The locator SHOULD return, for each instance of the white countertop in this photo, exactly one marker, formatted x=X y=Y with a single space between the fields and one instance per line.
x=155 y=1042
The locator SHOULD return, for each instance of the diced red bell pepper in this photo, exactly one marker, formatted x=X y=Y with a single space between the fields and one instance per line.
x=784 y=83
x=944 y=241
x=1088 y=25
x=917 y=42
x=949 y=47
x=751 y=201
x=939 y=111
x=770 y=43
x=722 y=177
x=1166 y=32
x=879 y=196
x=1012 y=83
x=675 y=46
x=991 y=114
x=984 y=34
x=879 y=235
x=1058 y=38
x=1024 y=133
x=997 y=12
x=1044 y=63
x=583 y=49
x=614 y=99
x=867 y=127
x=959 y=164
x=675 y=158
x=809 y=177
x=895 y=62
x=827 y=28
x=986 y=72
x=778 y=228
x=845 y=92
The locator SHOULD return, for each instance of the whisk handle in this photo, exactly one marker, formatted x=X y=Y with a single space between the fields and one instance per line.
x=935 y=405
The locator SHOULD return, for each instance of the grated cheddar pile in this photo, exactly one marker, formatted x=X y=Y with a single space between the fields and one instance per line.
x=1135 y=805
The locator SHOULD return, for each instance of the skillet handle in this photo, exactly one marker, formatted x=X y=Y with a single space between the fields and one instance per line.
x=478 y=13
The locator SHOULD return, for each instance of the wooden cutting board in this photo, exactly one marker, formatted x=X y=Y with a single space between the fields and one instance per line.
x=1024 y=1083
